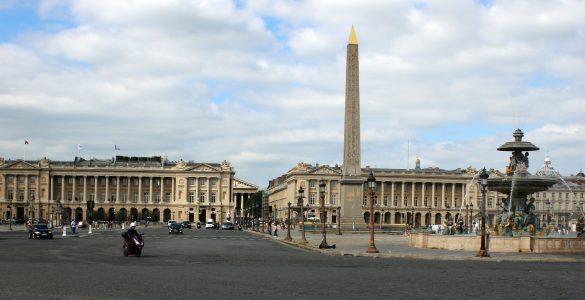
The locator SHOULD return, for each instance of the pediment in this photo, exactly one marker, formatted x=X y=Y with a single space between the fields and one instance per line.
x=203 y=168
x=241 y=184
x=325 y=170
x=20 y=165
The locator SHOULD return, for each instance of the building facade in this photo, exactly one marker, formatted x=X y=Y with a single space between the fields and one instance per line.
x=416 y=197
x=121 y=189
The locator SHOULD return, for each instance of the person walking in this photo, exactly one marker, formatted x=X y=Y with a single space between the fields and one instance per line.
x=73 y=226
x=275 y=229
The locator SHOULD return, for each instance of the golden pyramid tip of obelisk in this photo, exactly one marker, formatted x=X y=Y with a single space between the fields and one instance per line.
x=352 y=36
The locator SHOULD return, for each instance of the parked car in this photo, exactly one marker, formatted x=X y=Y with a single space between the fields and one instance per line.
x=227 y=226
x=169 y=222
x=176 y=228
x=210 y=224
x=186 y=224
x=39 y=230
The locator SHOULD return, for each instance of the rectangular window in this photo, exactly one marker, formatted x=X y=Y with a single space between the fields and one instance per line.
x=395 y=201
x=59 y=180
x=436 y=202
x=135 y=181
x=102 y=196
x=191 y=181
x=113 y=197
x=426 y=202
x=31 y=194
x=124 y=181
x=312 y=183
x=213 y=197
x=333 y=200
x=168 y=197
x=10 y=195
x=365 y=202
x=191 y=197
x=69 y=180
x=416 y=201
x=156 y=198
x=385 y=200
x=69 y=196
x=490 y=202
x=80 y=196
x=311 y=199
x=135 y=197
x=213 y=182
x=202 y=181
x=124 y=197
x=202 y=197
x=405 y=201
x=32 y=179
x=334 y=184
x=145 y=197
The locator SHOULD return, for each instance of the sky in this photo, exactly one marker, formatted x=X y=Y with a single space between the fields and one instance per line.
x=261 y=83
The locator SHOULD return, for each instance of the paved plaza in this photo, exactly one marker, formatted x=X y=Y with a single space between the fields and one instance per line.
x=396 y=246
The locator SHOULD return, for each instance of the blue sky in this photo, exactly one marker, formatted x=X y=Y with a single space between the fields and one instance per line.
x=261 y=83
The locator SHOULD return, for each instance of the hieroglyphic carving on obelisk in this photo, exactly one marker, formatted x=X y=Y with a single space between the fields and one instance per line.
x=351 y=142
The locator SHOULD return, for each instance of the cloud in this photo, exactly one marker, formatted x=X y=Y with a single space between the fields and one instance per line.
x=261 y=83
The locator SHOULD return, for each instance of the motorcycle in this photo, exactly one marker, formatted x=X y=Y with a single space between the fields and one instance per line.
x=133 y=245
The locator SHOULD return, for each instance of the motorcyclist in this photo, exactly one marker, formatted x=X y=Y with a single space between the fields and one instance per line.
x=131 y=232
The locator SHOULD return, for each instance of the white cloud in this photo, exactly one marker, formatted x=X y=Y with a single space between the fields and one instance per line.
x=263 y=85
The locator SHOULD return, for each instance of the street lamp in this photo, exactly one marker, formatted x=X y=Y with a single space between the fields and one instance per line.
x=467 y=217
x=10 y=215
x=301 y=196
x=323 y=244
x=288 y=238
x=339 y=220
x=372 y=187
x=471 y=222
x=483 y=181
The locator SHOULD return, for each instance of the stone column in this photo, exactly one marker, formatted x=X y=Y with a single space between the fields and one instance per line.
x=392 y=193
x=413 y=188
x=62 y=189
x=107 y=189
x=150 y=190
x=443 y=195
x=453 y=196
x=140 y=178
x=433 y=195
x=423 y=196
x=96 y=180
x=118 y=189
x=84 y=188
x=402 y=199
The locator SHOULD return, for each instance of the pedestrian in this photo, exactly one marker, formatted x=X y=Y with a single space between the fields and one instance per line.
x=73 y=226
x=275 y=230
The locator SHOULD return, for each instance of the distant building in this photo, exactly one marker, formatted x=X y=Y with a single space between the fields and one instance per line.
x=122 y=188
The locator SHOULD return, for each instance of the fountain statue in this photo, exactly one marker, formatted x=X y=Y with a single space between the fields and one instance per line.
x=518 y=211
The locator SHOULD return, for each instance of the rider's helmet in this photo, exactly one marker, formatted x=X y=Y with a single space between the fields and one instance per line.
x=133 y=225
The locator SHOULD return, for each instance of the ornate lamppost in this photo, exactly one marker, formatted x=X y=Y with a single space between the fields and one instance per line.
x=288 y=238
x=90 y=205
x=471 y=222
x=483 y=181
x=467 y=217
x=323 y=244
x=339 y=220
x=301 y=196
x=372 y=187
x=10 y=215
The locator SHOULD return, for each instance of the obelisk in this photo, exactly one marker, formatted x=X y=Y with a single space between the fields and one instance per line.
x=351 y=180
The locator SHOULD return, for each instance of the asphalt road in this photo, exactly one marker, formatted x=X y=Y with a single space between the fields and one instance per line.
x=216 y=264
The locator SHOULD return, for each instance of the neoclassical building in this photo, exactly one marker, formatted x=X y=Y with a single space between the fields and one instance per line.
x=121 y=188
x=419 y=197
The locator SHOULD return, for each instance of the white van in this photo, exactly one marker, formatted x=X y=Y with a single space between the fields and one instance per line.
x=210 y=224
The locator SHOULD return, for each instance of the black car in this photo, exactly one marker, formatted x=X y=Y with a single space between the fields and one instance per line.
x=186 y=224
x=38 y=231
x=175 y=228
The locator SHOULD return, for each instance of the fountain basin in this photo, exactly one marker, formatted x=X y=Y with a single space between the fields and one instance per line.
x=524 y=244
x=522 y=185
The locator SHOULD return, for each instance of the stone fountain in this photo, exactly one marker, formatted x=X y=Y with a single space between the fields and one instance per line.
x=518 y=223
x=518 y=183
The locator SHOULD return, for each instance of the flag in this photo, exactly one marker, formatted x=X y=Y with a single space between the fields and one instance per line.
x=78 y=146
x=25 y=142
x=116 y=148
